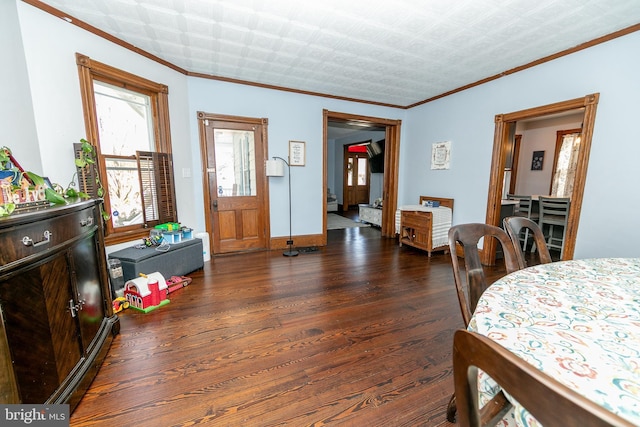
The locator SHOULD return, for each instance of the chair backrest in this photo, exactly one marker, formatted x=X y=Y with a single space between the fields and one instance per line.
x=468 y=236
x=550 y=402
x=555 y=207
x=514 y=226
x=524 y=204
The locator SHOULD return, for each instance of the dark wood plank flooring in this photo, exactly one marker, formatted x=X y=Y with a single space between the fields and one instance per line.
x=357 y=333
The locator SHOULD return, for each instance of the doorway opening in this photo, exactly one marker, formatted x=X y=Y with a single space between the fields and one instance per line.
x=389 y=179
x=504 y=139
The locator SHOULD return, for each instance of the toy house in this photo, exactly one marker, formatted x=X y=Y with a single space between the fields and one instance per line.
x=146 y=293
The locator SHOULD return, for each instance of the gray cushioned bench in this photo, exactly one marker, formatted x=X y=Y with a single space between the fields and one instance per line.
x=180 y=258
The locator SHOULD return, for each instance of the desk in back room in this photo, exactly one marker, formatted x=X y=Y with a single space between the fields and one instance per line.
x=507 y=208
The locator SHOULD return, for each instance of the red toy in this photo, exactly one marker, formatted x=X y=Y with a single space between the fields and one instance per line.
x=119 y=304
x=146 y=293
x=176 y=282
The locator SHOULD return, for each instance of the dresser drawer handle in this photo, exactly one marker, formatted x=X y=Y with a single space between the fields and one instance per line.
x=28 y=241
x=85 y=222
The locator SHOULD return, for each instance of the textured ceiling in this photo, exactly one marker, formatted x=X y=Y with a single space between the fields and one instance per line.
x=398 y=52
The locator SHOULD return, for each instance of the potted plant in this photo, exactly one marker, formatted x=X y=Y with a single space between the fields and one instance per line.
x=86 y=160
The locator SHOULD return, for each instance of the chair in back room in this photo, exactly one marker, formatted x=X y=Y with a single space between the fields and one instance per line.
x=554 y=214
x=516 y=226
x=525 y=209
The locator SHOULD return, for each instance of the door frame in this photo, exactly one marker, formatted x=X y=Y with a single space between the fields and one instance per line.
x=261 y=158
x=515 y=163
x=503 y=122
x=391 y=166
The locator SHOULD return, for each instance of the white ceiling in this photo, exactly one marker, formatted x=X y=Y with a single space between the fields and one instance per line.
x=398 y=52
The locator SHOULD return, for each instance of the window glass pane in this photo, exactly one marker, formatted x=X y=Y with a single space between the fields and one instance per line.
x=124 y=120
x=235 y=163
x=363 y=171
x=562 y=185
x=124 y=191
x=350 y=172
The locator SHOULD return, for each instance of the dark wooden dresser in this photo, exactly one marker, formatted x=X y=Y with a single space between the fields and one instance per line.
x=55 y=303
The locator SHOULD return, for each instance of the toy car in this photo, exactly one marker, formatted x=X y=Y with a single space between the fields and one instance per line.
x=119 y=304
x=177 y=282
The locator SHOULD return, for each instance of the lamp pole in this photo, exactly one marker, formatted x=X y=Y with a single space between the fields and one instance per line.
x=291 y=251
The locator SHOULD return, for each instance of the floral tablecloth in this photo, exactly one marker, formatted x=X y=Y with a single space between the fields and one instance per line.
x=578 y=321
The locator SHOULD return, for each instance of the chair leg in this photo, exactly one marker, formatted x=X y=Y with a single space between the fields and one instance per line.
x=451 y=409
x=564 y=234
x=526 y=240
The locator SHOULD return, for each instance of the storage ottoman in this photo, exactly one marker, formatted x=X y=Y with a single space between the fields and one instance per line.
x=178 y=260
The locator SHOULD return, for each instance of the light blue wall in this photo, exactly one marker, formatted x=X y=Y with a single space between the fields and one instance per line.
x=611 y=198
x=466 y=119
x=291 y=117
x=16 y=110
x=50 y=45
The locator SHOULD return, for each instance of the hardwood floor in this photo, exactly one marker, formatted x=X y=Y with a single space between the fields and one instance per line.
x=357 y=333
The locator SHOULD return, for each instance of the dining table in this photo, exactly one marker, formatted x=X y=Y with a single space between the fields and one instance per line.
x=578 y=321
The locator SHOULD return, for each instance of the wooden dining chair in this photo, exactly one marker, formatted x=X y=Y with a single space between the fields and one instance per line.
x=474 y=284
x=471 y=288
x=550 y=402
x=515 y=227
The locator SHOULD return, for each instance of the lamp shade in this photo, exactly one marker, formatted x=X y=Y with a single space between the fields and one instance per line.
x=274 y=167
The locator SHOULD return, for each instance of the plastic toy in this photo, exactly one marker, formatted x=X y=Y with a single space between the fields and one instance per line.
x=153 y=240
x=177 y=282
x=146 y=293
x=119 y=304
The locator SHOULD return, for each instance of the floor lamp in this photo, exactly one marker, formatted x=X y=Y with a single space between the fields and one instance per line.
x=276 y=168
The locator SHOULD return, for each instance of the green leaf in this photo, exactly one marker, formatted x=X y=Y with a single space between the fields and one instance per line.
x=54 y=197
x=36 y=179
x=7 y=209
x=86 y=146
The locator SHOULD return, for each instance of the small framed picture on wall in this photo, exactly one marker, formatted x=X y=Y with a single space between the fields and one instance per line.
x=440 y=155
x=297 y=154
x=537 y=160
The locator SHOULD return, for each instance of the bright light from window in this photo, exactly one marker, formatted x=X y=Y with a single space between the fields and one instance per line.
x=124 y=120
x=124 y=126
